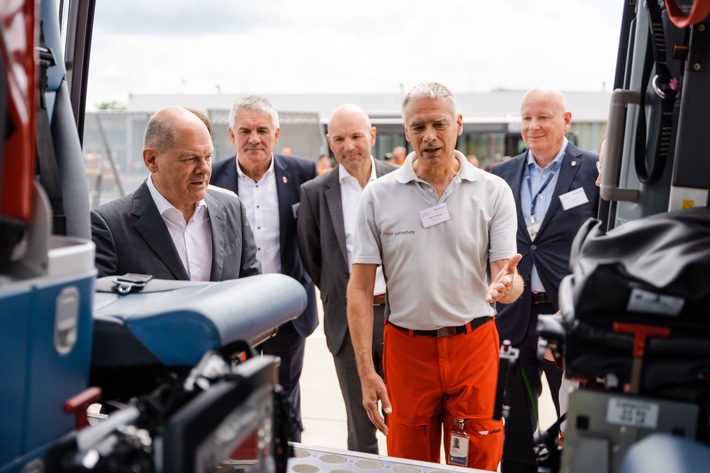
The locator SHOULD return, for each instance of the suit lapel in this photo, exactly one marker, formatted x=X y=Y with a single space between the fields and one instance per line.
x=231 y=177
x=334 y=200
x=151 y=227
x=283 y=189
x=218 y=225
x=516 y=178
x=571 y=163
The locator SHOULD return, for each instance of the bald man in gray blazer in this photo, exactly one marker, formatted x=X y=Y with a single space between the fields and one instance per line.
x=132 y=235
x=325 y=223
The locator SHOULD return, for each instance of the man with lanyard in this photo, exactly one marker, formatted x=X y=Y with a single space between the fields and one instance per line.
x=554 y=182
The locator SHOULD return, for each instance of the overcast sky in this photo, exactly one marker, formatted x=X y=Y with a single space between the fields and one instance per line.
x=332 y=46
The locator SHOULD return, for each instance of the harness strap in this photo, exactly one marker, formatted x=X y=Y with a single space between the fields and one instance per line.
x=698 y=12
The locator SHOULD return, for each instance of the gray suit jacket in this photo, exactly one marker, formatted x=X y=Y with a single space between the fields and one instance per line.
x=131 y=237
x=321 y=241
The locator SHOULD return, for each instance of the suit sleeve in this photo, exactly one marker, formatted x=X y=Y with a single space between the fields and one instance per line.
x=309 y=239
x=313 y=170
x=106 y=258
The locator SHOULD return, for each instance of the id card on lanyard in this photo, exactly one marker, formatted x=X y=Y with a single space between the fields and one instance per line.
x=534 y=225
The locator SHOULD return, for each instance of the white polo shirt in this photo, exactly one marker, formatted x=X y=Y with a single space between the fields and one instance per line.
x=436 y=276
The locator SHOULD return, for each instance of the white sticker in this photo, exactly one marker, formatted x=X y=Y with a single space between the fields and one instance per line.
x=633 y=413
x=573 y=198
x=649 y=302
x=433 y=215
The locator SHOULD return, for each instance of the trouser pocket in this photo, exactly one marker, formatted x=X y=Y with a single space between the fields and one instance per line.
x=413 y=441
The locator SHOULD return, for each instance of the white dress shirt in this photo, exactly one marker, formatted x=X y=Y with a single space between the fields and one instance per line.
x=192 y=239
x=350 y=192
x=262 y=207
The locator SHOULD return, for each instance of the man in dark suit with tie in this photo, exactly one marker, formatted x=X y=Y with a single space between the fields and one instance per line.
x=326 y=223
x=554 y=185
x=268 y=183
x=173 y=226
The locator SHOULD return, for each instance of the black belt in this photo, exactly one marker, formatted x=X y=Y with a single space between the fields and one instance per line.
x=378 y=300
x=447 y=331
x=541 y=298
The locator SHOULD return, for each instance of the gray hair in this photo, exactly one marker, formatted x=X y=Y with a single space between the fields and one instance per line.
x=254 y=102
x=432 y=90
x=159 y=134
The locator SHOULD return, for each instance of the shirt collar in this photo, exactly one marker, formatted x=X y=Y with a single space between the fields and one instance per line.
x=163 y=204
x=558 y=157
x=406 y=172
x=268 y=172
x=344 y=174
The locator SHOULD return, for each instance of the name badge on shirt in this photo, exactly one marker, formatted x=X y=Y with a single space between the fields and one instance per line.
x=573 y=198
x=433 y=215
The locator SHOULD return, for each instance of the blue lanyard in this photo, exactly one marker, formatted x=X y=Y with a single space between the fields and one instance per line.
x=533 y=202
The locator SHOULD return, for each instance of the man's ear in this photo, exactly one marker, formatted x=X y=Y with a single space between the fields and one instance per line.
x=150 y=158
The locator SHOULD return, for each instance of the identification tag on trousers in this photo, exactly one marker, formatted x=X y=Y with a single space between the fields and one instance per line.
x=458 y=445
x=458 y=450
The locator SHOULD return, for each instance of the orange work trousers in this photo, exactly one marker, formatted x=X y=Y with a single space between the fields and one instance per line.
x=432 y=382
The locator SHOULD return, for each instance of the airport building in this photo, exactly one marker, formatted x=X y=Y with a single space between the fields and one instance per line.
x=113 y=139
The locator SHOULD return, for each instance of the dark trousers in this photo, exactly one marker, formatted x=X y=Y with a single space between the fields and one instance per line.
x=288 y=345
x=521 y=423
x=361 y=431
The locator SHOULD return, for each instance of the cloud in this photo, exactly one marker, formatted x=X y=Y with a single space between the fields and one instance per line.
x=281 y=46
x=182 y=17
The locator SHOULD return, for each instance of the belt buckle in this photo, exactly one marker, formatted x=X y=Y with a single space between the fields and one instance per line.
x=446 y=331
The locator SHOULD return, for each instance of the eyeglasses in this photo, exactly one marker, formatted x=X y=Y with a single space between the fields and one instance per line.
x=599 y=166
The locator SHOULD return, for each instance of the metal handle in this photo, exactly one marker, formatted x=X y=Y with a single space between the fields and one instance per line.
x=620 y=98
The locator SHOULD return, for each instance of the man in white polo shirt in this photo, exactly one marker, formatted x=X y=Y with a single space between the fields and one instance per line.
x=453 y=226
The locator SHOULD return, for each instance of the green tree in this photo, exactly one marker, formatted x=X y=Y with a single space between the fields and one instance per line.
x=112 y=105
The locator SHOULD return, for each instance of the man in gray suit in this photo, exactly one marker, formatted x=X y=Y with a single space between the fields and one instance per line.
x=326 y=223
x=173 y=226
